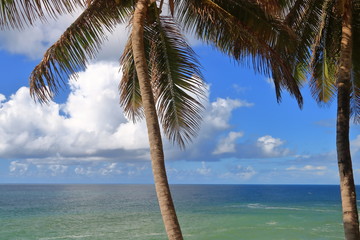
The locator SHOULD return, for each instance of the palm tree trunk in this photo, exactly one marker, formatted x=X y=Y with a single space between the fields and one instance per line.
x=347 y=185
x=167 y=208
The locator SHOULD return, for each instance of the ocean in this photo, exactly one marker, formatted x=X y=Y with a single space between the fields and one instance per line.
x=205 y=212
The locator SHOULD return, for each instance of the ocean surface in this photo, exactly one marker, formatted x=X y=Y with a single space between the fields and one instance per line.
x=206 y=212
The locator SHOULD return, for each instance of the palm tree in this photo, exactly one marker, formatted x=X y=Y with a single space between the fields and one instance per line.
x=330 y=28
x=161 y=76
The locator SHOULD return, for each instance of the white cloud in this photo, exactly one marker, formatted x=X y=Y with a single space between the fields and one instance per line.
x=220 y=111
x=110 y=168
x=92 y=127
x=58 y=169
x=34 y=40
x=204 y=170
x=227 y=144
x=112 y=49
x=270 y=146
x=239 y=173
x=18 y=168
x=270 y=81
x=84 y=171
x=307 y=168
x=41 y=36
x=50 y=169
x=355 y=144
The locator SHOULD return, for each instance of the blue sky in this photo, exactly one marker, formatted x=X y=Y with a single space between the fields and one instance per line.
x=82 y=137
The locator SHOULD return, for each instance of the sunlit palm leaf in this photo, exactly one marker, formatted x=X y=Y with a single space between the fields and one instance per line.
x=303 y=16
x=177 y=84
x=325 y=55
x=19 y=13
x=79 y=43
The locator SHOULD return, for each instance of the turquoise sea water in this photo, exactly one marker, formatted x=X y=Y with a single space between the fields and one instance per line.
x=206 y=212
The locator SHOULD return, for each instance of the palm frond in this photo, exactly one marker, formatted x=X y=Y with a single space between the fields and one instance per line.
x=325 y=56
x=304 y=17
x=19 y=13
x=177 y=82
x=255 y=15
x=230 y=27
x=79 y=43
x=130 y=96
x=129 y=87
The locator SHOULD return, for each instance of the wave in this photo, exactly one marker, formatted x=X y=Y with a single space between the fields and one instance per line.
x=271 y=223
x=66 y=237
x=262 y=206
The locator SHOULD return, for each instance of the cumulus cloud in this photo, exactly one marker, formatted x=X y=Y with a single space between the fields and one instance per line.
x=263 y=147
x=34 y=40
x=221 y=110
x=227 y=144
x=271 y=146
x=204 y=170
x=89 y=125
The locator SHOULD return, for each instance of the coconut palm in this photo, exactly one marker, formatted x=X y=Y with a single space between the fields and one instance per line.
x=161 y=76
x=331 y=29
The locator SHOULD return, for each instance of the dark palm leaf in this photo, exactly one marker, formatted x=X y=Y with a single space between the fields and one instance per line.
x=17 y=13
x=193 y=13
x=79 y=43
x=177 y=84
x=130 y=96
x=129 y=87
x=243 y=36
x=175 y=78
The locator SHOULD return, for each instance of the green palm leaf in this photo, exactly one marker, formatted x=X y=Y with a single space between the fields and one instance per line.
x=325 y=55
x=303 y=16
x=79 y=43
x=17 y=13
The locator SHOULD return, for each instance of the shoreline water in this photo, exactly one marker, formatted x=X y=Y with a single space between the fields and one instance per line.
x=130 y=212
